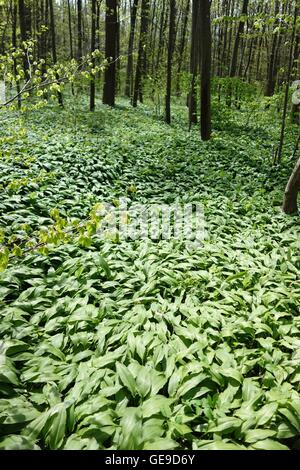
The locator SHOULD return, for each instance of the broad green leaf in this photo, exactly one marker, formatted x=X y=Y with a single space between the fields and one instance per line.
x=126 y=378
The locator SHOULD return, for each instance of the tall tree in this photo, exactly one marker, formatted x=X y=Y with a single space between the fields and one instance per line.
x=234 y=59
x=278 y=154
x=240 y=30
x=93 y=46
x=111 y=30
x=129 y=71
x=182 y=44
x=170 y=59
x=79 y=29
x=25 y=29
x=53 y=42
x=14 y=8
x=273 y=59
x=70 y=30
x=194 y=63
x=142 y=54
x=206 y=57
x=162 y=27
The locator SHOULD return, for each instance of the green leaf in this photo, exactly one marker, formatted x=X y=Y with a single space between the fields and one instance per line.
x=126 y=378
x=255 y=435
x=161 y=444
x=269 y=444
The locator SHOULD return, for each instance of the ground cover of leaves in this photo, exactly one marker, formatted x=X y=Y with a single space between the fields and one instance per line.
x=144 y=344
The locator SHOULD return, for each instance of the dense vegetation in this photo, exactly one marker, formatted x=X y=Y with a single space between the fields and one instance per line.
x=110 y=343
x=146 y=344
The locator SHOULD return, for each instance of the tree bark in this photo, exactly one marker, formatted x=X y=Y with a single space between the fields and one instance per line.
x=278 y=156
x=182 y=45
x=234 y=60
x=194 y=63
x=79 y=29
x=272 y=63
x=109 y=88
x=25 y=29
x=93 y=44
x=14 y=43
x=70 y=30
x=170 y=59
x=53 y=39
x=206 y=56
x=233 y=67
x=141 y=61
x=129 y=71
x=290 y=205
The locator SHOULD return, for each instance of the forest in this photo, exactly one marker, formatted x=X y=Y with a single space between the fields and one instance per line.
x=149 y=225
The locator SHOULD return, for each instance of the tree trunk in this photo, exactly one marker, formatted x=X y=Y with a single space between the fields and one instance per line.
x=14 y=43
x=205 y=41
x=109 y=88
x=234 y=60
x=161 y=37
x=272 y=64
x=70 y=30
x=290 y=205
x=278 y=155
x=233 y=67
x=79 y=29
x=182 y=45
x=129 y=74
x=141 y=61
x=53 y=38
x=194 y=62
x=93 y=44
x=170 y=59
x=25 y=29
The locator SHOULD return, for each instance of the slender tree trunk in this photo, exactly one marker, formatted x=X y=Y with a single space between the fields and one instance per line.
x=182 y=45
x=194 y=63
x=53 y=38
x=93 y=44
x=170 y=59
x=141 y=61
x=234 y=60
x=79 y=29
x=224 y=49
x=206 y=56
x=109 y=88
x=98 y=24
x=129 y=71
x=118 y=77
x=258 y=62
x=25 y=29
x=278 y=156
x=14 y=43
x=249 y=58
x=161 y=37
x=272 y=63
x=70 y=30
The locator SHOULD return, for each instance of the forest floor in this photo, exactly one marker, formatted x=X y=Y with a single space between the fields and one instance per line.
x=148 y=344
